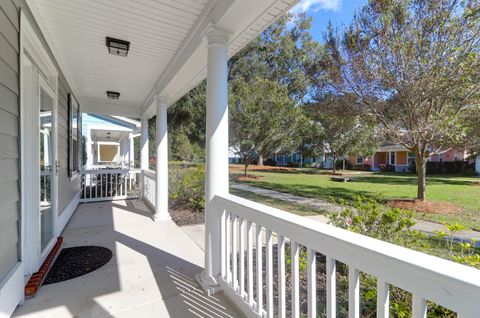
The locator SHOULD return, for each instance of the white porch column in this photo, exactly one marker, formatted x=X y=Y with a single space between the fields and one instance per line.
x=216 y=173
x=161 y=205
x=131 y=151
x=144 y=144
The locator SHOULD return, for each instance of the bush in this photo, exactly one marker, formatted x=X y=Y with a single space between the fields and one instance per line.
x=339 y=165
x=187 y=186
x=293 y=164
x=270 y=162
x=362 y=167
x=386 y=167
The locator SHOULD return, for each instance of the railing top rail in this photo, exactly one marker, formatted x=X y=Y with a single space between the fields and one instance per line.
x=100 y=171
x=446 y=283
x=149 y=173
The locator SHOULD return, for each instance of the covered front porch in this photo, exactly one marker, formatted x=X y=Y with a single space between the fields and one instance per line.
x=151 y=274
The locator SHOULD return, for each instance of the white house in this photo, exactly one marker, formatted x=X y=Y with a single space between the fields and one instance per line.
x=109 y=140
x=59 y=59
x=477 y=164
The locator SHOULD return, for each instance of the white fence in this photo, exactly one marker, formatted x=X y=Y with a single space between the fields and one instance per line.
x=149 y=187
x=248 y=274
x=110 y=184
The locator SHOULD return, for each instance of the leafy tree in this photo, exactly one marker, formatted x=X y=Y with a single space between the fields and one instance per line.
x=262 y=117
x=414 y=64
x=345 y=130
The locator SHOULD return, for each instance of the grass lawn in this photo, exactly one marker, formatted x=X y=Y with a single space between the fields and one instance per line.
x=460 y=191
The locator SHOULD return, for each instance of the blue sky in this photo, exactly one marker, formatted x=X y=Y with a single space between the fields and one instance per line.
x=322 y=11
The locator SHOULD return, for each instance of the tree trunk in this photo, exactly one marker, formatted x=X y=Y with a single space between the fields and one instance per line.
x=334 y=162
x=343 y=164
x=260 y=160
x=246 y=163
x=421 y=164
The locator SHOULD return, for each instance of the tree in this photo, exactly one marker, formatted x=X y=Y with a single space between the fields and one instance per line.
x=345 y=129
x=262 y=117
x=415 y=66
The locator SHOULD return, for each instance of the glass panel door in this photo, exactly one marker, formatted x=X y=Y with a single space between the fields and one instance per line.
x=46 y=168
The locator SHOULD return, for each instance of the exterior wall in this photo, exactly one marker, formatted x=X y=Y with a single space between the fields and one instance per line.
x=9 y=149
x=477 y=164
x=402 y=158
x=380 y=158
x=9 y=137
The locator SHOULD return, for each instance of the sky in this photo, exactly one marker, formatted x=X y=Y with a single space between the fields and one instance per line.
x=338 y=11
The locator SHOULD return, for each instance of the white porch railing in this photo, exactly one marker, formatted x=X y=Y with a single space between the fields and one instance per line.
x=248 y=277
x=149 y=187
x=110 y=184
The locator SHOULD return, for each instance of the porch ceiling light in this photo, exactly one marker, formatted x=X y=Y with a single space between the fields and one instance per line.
x=113 y=95
x=117 y=47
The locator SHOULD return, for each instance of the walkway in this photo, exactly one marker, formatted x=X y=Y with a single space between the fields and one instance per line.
x=325 y=206
x=151 y=273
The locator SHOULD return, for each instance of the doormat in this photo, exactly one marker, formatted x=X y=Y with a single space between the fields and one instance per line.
x=77 y=261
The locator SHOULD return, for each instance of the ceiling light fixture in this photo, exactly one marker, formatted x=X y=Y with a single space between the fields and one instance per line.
x=117 y=47
x=113 y=95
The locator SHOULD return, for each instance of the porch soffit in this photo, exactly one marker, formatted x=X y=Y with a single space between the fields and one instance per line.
x=167 y=54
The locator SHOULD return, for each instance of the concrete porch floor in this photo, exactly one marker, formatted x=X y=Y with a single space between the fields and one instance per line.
x=151 y=273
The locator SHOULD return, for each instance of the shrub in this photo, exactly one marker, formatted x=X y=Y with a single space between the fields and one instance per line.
x=339 y=165
x=187 y=186
x=270 y=162
x=362 y=167
x=293 y=164
x=386 y=167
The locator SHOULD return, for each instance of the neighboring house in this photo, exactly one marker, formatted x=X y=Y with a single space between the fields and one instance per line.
x=400 y=158
x=109 y=140
x=477 y=164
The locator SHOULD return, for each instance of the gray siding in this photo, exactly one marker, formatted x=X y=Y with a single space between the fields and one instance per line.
x=9 y=137
x=9 y=134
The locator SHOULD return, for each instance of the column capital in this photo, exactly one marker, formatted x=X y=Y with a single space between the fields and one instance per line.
x=216 y=35
x=159 y=99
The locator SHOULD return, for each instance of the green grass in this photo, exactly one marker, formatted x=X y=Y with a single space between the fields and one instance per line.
x=458 y=190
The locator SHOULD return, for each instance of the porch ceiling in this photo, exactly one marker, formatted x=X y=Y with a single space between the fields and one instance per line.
x=167 y=54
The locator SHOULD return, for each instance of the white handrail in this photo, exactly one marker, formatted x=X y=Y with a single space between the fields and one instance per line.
x=449 y=284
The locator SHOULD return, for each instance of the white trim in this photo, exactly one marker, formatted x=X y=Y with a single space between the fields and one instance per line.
x=31 y=45
x=11 y=291
x=67 y=214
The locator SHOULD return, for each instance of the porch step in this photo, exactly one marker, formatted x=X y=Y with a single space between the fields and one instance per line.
x=36 y=280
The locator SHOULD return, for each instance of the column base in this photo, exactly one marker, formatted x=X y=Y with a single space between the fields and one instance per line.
x=208 y=283
x=160 y=218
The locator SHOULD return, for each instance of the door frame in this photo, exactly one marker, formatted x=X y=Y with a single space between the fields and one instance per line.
x=32 y=51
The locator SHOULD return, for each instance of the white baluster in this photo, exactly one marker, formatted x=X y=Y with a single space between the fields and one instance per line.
x=228 y=235
x=223 y=246
x=234 y=252
x=312 y=283
x=250 y=262
x=331 y=273
x=259 y=270
x=269 y=269
x=383 y=299
x=419 y=307
x=353 y=293
x=295 y=279
x=281 y=277
x=242 y=257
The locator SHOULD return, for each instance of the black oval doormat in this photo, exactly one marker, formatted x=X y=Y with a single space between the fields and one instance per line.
x=77 y=261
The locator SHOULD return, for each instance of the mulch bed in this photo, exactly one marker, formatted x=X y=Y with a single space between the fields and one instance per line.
x=187 y=217
x=434 y=207
x=248 y=178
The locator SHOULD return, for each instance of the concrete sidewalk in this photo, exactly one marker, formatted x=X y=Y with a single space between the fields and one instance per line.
x=325 y=206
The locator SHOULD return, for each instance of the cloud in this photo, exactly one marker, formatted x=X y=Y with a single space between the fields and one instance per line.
x=316 y=5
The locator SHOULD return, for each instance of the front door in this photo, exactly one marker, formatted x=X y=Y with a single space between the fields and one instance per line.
x=39 y=122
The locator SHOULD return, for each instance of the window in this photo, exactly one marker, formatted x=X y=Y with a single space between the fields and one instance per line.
x=74 y=134
x=392 y=158
x=411 y=158
x=108 y=152
x=359 y=160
